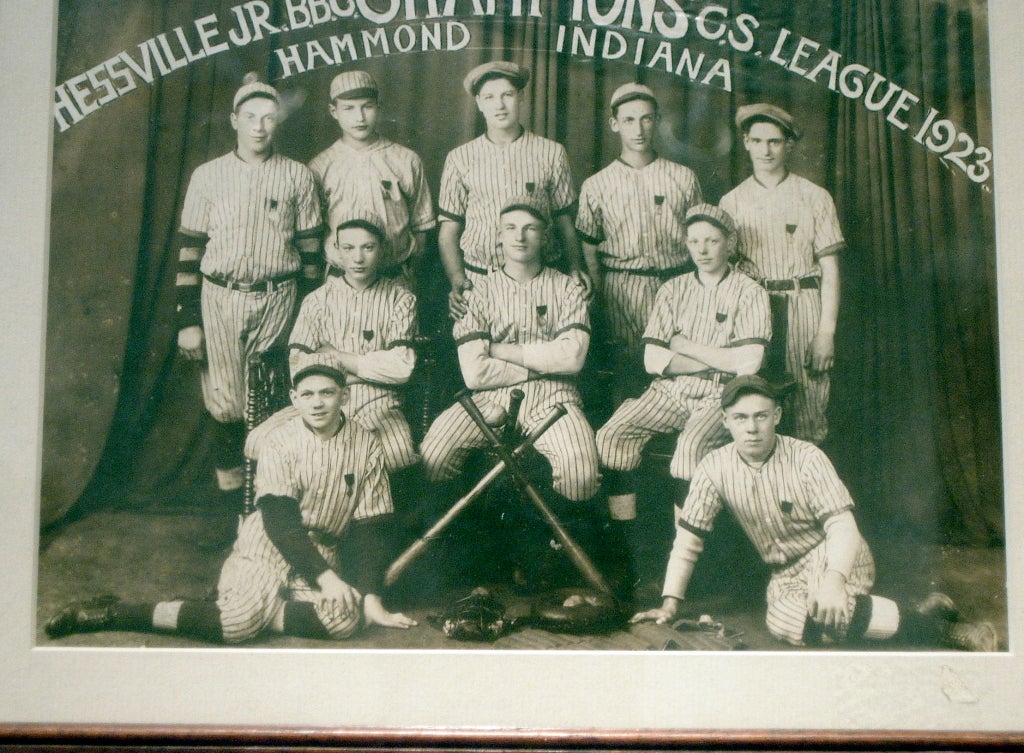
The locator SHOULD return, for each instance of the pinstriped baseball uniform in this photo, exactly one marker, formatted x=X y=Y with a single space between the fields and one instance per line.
x=386 y=179
x=782 y=507
x=479 y=177
x=336 y=481
x=636 y=218
x=734 y=312
x=784 y=231
x=249 y=216
x=379 y=324
x=548 y=316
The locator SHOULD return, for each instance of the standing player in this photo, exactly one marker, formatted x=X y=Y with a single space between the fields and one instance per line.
x=707 y=326
x=631 y=219
x=363 y=325
x=786 y=496
x=481 y=176
x=789 y=230
x=365 y=173
x=309 y=562
x=249 y=225
x=526 y=327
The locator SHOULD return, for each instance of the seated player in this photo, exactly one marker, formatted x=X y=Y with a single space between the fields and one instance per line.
x=706 y=327
x=309 y=561
x=362 y=324
x=787 y=497
x=526 y=327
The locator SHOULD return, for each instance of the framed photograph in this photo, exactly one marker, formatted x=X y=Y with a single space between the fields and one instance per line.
x=903 y=113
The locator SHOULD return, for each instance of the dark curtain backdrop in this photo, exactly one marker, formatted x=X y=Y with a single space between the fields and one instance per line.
x=915 y=409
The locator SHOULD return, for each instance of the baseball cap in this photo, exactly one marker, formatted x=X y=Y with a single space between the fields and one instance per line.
x=629 y=92
x=748 y=384
x=527 y=203
x=369 y=221
x=710 y=213
x=253 y=87
x=321 y=369
x=354 y=85
x=483 y=73
x=764 y=111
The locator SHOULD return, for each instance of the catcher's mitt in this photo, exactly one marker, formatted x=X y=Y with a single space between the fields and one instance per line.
x=577 y=611
x=477 y=617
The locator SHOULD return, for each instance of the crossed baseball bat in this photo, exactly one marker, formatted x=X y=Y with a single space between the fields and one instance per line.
x=507 y=460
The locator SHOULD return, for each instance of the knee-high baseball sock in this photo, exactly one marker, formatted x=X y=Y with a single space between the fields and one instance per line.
x=301 y=621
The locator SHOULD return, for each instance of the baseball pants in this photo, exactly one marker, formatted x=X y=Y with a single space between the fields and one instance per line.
x=807 y=403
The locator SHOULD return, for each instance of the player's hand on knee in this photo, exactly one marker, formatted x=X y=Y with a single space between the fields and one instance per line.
x=334 y=590
x=457 y=306
x=191 y=343
x=820 y=354
x=829 y=605
x=375 y=614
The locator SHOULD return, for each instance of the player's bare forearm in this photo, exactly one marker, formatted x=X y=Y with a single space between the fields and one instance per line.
x=593 y=265
x=448 y=237
x=820 y=355
x=744 y=359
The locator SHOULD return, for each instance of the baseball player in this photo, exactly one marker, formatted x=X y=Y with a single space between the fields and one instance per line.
x=631 y=219
x=250 y=236
x=481 y=176
x=526 y=327
x=365 y=173
x=789 y=231
x=787 y=497
x=706 y=327
x=362 y=324
x=309 y=561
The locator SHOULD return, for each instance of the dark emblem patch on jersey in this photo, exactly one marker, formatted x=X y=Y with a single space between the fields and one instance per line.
x=530 y=186
x=386 y=184
x=790 y=229
x=721 y=316
x=272 y=203
x=542 y=311
x=350 y=480
x=659 y=200
x=786 y=507
x=367 y=334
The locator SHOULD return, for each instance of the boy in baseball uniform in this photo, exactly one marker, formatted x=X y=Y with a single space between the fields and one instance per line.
x=706 y=327
x=797 y=513
x=631 y=221
x=481 y=176
x=526 y=327
x=250 y=238
x=365 y=173
x=790 y=237
x=309 y=562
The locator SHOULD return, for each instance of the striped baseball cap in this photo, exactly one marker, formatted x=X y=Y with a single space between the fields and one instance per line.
x=629 y=92
x=710 y=213
x=307 y=364
x=354 y=85
x=484 y=72
x=253 y=87
x=765 y=112
x=369 y=221
x=748 y=384
x=528 y=203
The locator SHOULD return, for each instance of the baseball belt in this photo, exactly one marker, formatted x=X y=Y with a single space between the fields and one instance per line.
x=662 y=274
x=473 y=268
x=262 y=286
x=714 y=375
x=793 y=283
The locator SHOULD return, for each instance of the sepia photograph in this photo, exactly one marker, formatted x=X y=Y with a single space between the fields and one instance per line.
x=509 y=357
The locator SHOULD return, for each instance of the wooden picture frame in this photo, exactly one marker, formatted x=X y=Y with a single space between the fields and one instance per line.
x=54 y=698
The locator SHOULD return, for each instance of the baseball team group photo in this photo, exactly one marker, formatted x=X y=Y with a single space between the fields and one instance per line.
x=597 y=325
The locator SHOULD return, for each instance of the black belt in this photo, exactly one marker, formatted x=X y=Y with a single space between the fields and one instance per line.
x=263 y=286
x=475 y=269
x=803 y=283
x=711 y=374
x=661 y=274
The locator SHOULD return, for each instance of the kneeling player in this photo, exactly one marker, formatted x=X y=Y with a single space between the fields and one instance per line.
x=309 y=561
x=787 y=497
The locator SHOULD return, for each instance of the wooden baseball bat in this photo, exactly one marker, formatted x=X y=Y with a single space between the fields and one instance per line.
x=572 y=549
x=515 y=402
x=416 y=548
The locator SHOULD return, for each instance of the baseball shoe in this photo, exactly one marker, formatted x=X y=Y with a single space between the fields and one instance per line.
x=88 y=616
x=938 y=605
x=971 y=636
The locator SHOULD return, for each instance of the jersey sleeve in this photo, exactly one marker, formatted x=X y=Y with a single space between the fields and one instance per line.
x=473 y=337
x=702 y=503
x=589 y=217
x=421 y=205
x=275 y=473
x=453 y=196
x=563 y=193
x=195 y=211
x=306 y=332
x=827 y=494
x=567 y=350
x=660 y=324
x=308 y=218
x=374 y=490
x=828 y=236
x=753 y=322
